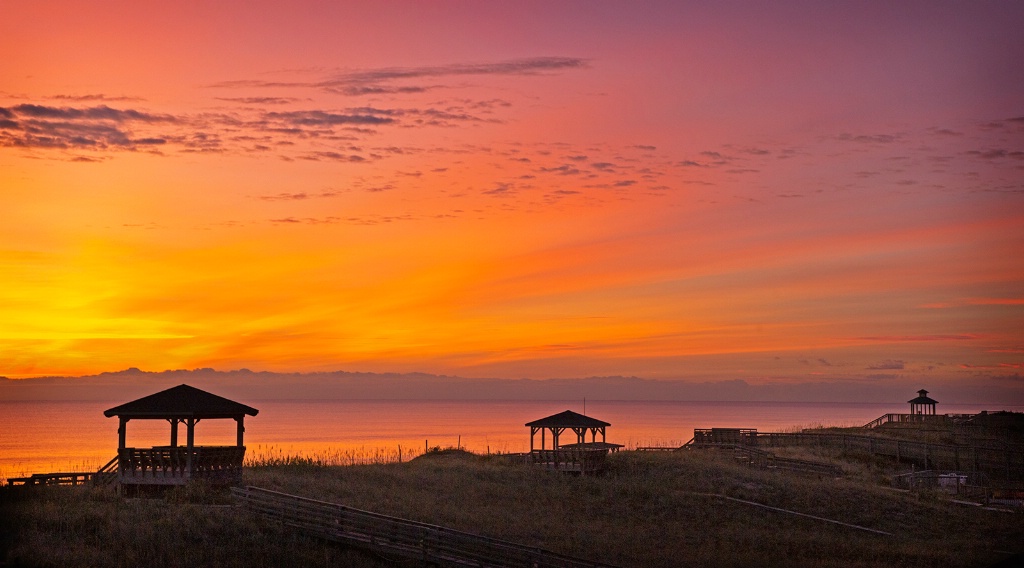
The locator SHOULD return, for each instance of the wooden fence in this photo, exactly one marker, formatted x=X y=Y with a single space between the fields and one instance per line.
x=398 y=537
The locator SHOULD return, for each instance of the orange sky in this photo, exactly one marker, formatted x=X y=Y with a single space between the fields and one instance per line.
x=668 y=190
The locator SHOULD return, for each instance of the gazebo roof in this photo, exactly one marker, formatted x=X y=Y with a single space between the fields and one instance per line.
x=182 y=401
x=568 y=419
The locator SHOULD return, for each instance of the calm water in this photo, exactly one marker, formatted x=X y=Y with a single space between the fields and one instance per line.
x=75 y=436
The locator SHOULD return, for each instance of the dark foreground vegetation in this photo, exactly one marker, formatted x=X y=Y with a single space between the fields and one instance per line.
x=648 y=509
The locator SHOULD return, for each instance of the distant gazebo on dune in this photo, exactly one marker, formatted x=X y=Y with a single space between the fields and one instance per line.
x=574 y=422
x=922 y=405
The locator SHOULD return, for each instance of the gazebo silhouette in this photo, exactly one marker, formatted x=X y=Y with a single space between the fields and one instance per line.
x=568 y=420
x=174 y=464
x=580 y=457
x=922 y=405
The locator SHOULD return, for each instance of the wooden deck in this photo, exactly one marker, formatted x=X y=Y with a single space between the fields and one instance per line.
x=411 y=540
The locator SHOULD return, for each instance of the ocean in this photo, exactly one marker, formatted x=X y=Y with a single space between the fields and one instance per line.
x=49 y=436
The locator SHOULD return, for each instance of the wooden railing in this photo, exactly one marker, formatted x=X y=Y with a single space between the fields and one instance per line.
x=728 y=436
x=584 y=461
x=104 y=475
x=59 y=478
x=398 y=537
x=906 y=419
x=168 y=464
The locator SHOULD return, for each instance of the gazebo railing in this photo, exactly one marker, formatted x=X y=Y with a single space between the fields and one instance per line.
x=573 y=459
x=169 y=463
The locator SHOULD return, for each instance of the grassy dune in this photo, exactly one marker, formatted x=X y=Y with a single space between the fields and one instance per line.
x=647 y=510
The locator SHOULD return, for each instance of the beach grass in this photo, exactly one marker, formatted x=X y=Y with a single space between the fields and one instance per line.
x=647 y=509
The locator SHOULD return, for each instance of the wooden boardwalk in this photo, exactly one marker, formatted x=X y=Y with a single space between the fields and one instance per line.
x=106 y=475
x=398 y=537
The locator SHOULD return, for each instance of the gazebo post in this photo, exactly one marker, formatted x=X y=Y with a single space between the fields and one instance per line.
x=542 y=441
x=122 y=431
x=190 y=424
x=174 y=432
x=241 y=429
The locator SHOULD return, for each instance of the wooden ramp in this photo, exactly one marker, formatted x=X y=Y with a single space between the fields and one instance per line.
x=398 y=537
x=105 y=476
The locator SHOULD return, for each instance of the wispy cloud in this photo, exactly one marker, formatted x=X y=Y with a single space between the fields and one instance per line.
x=102 y=112
x=300 y=196
x=98 y=127
x=917 y=338
x=975 y=302
x=322 y=118
x=92 y=98
x=381 y=80
x=868 y=138
x=887 y=365
x=259 y=100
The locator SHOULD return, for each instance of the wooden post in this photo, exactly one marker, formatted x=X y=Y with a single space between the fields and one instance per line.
x=174 y=432
x=122 y=430
x=241 y=429
x=190 y=424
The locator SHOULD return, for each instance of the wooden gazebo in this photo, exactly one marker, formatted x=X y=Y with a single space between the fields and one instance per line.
x=568 y=420
x=581 y=457
x=922 y=405
x=174 y=464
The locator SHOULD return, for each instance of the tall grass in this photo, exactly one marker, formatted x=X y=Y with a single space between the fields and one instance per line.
x=648 y=509
x=274 y=456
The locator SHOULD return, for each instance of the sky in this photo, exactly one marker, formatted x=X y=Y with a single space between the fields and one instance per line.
x=773 y=192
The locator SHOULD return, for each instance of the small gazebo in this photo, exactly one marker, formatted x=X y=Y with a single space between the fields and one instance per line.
x=174 y=464
x=568 y=420
x=922 y=405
